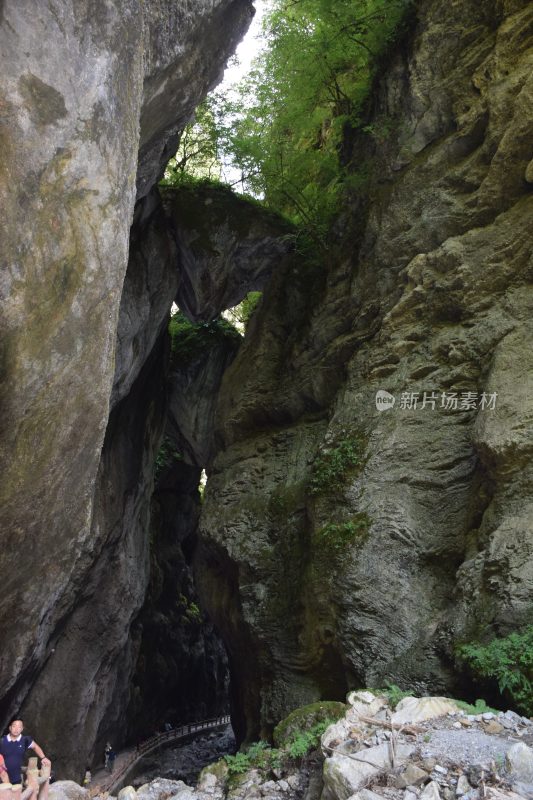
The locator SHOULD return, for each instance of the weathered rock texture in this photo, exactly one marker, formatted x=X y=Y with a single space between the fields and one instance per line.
x=93 y=97
x=227 y=247
x=181 y=672
x=341 y=544
x=423 y=536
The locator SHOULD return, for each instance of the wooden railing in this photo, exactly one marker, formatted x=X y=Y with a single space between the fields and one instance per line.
x=148 y=745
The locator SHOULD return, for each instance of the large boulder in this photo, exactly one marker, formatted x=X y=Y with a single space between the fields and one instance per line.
x=67 y=790
x=519 y=762
x=418 y=709
x=345 y=774
x=228 y=246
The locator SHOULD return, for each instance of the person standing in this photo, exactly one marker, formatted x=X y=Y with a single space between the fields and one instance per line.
x=13 y=747
x=107 y=751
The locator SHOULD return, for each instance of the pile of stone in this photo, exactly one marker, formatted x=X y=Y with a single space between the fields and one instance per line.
x=252 y=786
x=427 y=749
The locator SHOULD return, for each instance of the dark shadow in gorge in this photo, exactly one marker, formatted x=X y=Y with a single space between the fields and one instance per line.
x=182 y=672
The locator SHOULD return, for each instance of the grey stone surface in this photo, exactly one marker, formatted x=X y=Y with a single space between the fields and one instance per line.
x=69 y=151
x=185 y=51
x=437 y=298
x=519 y=762
x=67 y=790
x=149 y=289
x=431 y=791
x=93 y=98
x=127 y=793
x=343 y=776
x=227 y=247
x=160 y=789
x=473 y=745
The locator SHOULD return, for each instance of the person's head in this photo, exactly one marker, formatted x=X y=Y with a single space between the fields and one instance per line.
x=16 y=726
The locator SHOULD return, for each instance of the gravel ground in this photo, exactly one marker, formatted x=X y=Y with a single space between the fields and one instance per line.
x=472 y=746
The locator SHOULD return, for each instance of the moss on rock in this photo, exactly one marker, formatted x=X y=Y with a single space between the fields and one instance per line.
x=304 y=718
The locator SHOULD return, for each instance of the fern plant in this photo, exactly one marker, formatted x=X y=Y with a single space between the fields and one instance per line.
x=508 y=661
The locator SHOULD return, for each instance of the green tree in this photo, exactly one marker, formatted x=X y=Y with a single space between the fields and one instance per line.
x=309 y=83
x=282 y=130
x=198 y=153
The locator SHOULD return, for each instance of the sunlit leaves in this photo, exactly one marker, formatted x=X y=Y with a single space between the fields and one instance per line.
x=282 y=131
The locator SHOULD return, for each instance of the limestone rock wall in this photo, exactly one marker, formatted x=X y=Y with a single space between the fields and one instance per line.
x=421 y=536
x=227 y=247
x=85 y=683
x=93 y=96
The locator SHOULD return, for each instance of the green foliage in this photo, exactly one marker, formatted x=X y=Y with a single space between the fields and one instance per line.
x=479 y=707
x=307 y=86
x=261 y=756
x=338 y=535
x=333 y=465
x=305 y=741
x=238 y=764
x=191 y=612
x=192 y=339
x=509 y=661
x=240 y=315
x=283 y=130
x=198 y=154
x=294 y=736
x=258 y=755
x=166 y=456
x=393 y=694
x=305 y=718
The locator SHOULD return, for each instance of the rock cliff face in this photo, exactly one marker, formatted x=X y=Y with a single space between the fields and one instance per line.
x=93 y=98
x=342 y=543
x=346 y=544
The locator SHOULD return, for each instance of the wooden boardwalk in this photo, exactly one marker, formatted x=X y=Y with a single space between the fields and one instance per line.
x=126 y=760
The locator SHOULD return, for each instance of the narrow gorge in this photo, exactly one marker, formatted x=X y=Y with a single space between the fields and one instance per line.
x=340 y=543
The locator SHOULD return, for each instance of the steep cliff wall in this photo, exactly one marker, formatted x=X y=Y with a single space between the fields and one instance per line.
x=93 y=98
x=344 y=544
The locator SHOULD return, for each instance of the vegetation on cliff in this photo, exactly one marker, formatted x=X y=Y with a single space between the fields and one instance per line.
x=284 y=131
x=191 y=339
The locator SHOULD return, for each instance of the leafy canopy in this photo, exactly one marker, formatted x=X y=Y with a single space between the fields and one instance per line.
x=282 y=132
